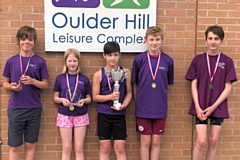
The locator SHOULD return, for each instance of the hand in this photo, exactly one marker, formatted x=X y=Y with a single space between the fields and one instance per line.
x=65 y=102
x=115 y=96
x=16 y=86
x=200 y=114
x=119 y=108
x=27 y=80
x=80 y=103
x=208 y=111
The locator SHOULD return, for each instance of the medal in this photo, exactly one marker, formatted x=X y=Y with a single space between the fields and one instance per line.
x=154 y=85
x=211 y=75
x=154 y=75
x=210 y=86
x=71 y=108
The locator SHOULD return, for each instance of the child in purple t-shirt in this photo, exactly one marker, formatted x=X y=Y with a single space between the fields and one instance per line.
x=211 y=75
x=151 y=74
x=72 y=91
x=24 y=75
x=111 y=121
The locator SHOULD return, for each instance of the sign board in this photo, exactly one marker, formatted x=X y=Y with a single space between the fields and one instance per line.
x=88 y=24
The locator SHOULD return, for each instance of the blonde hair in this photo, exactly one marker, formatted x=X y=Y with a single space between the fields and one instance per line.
x=76 y=54
x=154 y=31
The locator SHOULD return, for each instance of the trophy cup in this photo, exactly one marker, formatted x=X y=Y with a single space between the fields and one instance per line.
x=74 y=96
x=116 y=75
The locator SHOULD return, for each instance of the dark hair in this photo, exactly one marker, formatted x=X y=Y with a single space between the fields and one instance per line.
x=218 y=30
x=111 y=47
x=26 y=32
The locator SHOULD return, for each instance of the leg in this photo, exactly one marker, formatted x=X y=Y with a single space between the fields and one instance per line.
x=105 y=148
x=14 y=153
x=30 y=151
x=155 y=147
x=213 y=141
x=145 y=141
x=66 y=135
x=79 y=137
x=201 y=130
x=119 y=148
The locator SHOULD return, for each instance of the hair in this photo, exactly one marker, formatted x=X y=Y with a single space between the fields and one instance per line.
x=26 y=32
x=76 y=54
x=218 y=30
x=111 y=47
x=154 y=31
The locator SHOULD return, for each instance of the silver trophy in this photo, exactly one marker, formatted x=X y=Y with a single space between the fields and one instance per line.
x=116 y=75
x=74 y=96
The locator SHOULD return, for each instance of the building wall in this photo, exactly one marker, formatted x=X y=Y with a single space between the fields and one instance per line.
x=184 y=23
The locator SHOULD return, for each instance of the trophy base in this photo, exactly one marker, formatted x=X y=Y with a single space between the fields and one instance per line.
x=117 y=105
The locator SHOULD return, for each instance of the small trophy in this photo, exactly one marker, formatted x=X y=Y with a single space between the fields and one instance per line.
x=74 y=96
x=116 y=75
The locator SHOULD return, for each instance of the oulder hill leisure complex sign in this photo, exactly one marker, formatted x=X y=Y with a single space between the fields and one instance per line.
x=88 y=24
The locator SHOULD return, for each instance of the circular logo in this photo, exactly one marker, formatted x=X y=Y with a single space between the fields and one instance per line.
x=140 y=128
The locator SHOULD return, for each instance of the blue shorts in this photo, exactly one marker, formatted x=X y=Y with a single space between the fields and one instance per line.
x=23 y=122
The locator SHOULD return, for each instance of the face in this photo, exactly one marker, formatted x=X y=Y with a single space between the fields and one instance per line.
x=26 y=45
x=213 y=41
x=72 y=64
x=154 y=43
x=112 y=59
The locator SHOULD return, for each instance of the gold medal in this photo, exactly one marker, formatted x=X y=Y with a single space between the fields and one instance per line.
x=154 y=85
x=71 y=108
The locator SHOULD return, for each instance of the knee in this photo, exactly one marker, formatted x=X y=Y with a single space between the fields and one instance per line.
x=14 y=149
x=105 y=149
x=201 y=143
x=120 y=149
x=30 y=146
x=78 y=148
x=67 y=148
x=213 y=141
x=155 y=143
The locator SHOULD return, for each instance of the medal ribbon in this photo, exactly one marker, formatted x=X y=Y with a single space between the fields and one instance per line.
x=150 y=65
x=75 y=87
x=211 y=75
x=21 y=64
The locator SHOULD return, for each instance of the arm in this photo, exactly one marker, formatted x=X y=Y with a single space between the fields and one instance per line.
x=31 y=81
x=59 y=100
x=134 y=91
x=199 y=111
x=86 y=100
x=96 y=90
x=11 y=86
x=221 y=98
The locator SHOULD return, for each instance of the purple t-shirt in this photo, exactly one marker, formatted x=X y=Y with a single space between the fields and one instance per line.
x=206 y=97
x=29 y=96
x=105 y=107
x=152 y=102
x=83 y=89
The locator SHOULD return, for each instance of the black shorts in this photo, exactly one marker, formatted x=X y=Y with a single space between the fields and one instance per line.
x=213 y=121
x=111 y=126
x=23 y=121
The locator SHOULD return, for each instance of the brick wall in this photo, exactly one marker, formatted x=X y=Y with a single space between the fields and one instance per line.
x=184 y=23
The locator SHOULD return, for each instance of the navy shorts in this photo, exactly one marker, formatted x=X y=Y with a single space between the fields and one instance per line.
x=23 y=122
x=213 y=121
x=109 y=126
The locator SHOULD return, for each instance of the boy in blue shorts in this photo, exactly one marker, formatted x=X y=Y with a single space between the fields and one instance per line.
x=211 y=75
x=151 y=74
x=111 y=120
x=24 y=75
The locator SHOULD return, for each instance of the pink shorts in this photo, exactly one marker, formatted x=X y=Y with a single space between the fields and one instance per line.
x=72 y=121
x=147 y=126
